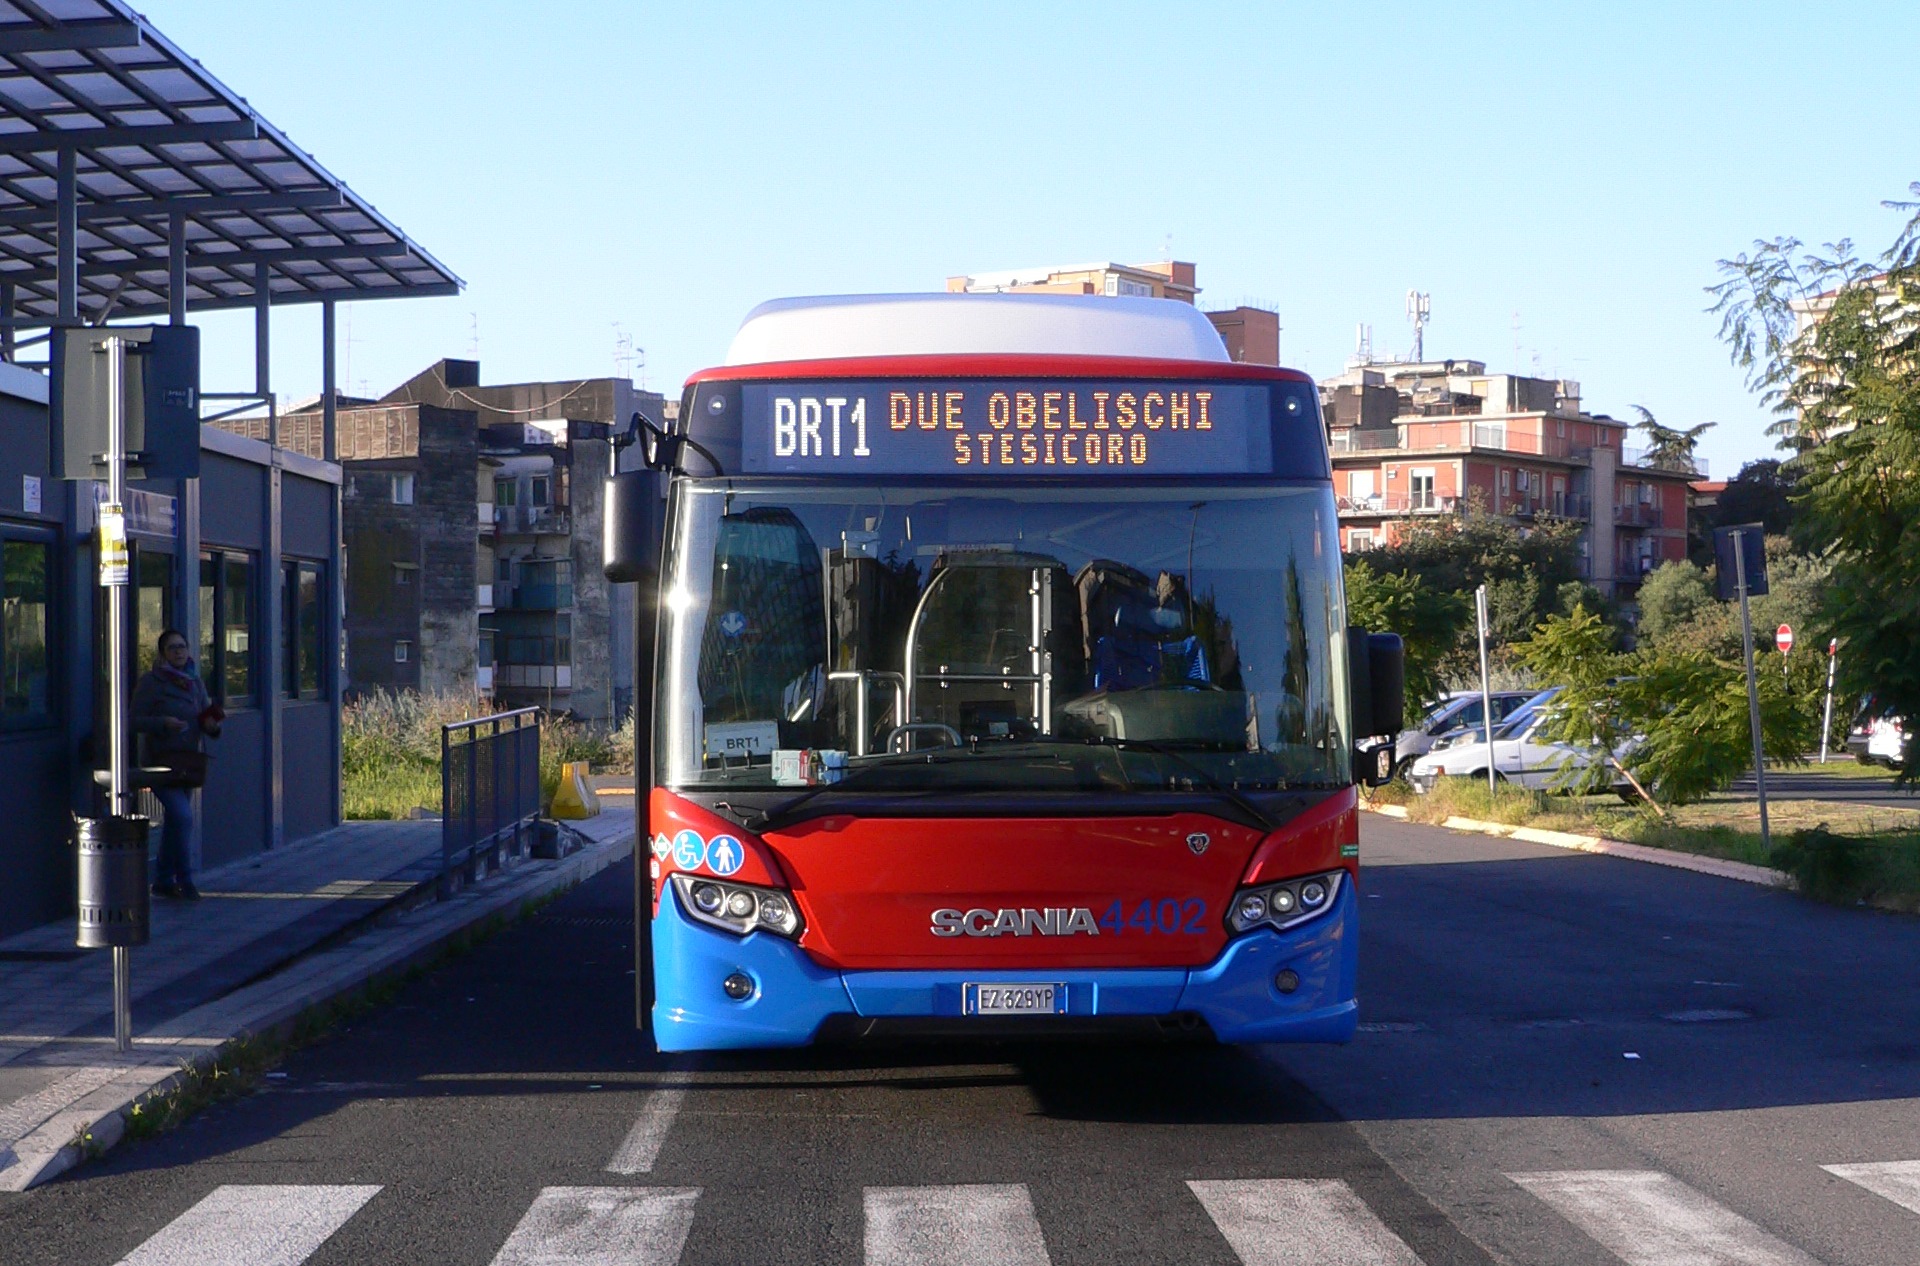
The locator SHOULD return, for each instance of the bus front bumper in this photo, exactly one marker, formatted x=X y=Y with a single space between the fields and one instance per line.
x=1238 y=995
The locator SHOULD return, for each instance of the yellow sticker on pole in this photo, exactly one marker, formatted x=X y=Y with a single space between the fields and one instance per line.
x=113 y=545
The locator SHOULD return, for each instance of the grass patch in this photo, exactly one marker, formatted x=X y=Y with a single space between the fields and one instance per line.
x=1843 y=853
x=390 y=751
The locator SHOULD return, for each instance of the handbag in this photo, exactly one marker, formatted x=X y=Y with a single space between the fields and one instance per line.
x=184 y=769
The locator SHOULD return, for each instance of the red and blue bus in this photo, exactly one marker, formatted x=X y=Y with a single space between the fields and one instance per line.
x=1002 y=684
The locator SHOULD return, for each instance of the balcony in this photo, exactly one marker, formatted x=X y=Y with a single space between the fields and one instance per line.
x=533 y=677
x=1455 y=435
x=534 y=520
x=1694 y=468
x=1409 y=503
x=542 y=597
x=1637 y=514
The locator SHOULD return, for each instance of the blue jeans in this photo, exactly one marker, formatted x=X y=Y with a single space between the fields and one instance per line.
x=175 y=830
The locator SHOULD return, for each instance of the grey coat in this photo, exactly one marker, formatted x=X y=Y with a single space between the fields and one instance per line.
x=160 y=695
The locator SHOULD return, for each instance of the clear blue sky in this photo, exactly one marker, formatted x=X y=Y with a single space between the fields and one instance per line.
x=661 y=169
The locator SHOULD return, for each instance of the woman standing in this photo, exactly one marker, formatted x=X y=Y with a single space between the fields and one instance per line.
x=171 y=708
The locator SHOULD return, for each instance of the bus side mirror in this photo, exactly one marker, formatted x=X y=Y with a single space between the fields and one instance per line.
x=626 y=514
x=1387 y=656
x=1377 y=672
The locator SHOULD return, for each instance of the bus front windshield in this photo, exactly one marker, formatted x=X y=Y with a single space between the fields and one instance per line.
x=1096 y=638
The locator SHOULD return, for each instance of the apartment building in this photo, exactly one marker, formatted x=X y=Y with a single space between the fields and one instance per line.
x=1427 y=438
x=472 y=519
x=1251 y=334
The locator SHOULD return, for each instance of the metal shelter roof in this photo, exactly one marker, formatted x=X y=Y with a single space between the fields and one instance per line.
x=156 y=151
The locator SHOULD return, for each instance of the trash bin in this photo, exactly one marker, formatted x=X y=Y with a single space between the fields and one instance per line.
x=115 y=906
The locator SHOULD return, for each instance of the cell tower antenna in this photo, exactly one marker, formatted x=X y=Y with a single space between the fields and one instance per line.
x=1362 y=346
x=473 y=336
x=1418 y=307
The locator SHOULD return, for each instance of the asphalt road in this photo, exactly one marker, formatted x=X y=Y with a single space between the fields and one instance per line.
x=1811 y=784
x=1568 y=1060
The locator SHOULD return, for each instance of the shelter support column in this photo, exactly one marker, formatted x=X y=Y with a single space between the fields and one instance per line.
x=67 y=237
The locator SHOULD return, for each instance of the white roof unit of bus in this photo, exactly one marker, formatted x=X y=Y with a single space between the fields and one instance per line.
x=831 y=327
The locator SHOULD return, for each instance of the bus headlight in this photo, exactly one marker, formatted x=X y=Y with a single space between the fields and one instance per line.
x=738 y=908
x=1284 y=905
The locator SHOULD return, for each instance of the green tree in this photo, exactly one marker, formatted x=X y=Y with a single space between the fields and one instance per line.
x=1677 y=717
x=1667 y=448
x=1831 y=340
x=1671 y=596
x=1428 y=621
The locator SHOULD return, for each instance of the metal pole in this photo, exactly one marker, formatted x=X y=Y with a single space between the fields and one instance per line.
x=262 y=347
x=177 y=269
x=1826 y=725
x=6 y=321
x=1753 y=690
x=117 y=701
x=1486 y=690
x=67 y=238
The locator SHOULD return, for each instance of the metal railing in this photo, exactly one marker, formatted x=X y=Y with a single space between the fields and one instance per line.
x=1404 y=503
x=1637 y=514
x=489 y=793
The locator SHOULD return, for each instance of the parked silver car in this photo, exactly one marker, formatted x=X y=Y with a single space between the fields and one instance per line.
x=1457 y=711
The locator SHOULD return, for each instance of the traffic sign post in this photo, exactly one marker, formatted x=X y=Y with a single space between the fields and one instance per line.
x=1826 y=725
x=1735 y=540
x=1783 y=639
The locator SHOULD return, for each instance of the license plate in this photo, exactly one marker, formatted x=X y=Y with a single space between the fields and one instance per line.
x=1013 y=999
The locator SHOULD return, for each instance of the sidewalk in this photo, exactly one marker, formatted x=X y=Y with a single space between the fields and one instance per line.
x=274 y=935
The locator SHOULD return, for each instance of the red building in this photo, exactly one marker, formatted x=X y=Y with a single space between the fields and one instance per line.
x=1430 y=438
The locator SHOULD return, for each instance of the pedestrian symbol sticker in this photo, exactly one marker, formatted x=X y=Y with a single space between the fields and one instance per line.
x=662 y=846
x=689 y=850
x=725 y=855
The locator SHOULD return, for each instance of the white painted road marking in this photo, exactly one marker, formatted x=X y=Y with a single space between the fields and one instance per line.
x=1647 y=1218
x=643 y=1142
x=982 y=1224
x=602 y=1226
x=1300 y=1222
x=1898 y=1181
x=252 y=1226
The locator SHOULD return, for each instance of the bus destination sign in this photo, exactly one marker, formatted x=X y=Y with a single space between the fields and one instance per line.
x=1013 y=427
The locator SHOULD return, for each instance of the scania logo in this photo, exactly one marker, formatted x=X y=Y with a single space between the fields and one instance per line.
x=1198 y=842
x=1052 y=921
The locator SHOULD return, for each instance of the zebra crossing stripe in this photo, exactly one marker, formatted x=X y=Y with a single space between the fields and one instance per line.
x=602 y=1226
x=1300 y=1222
x=1898 y=1181
x=1647 y=1218
x=252 y=1226
x=981 y=1224
x=644 y=1140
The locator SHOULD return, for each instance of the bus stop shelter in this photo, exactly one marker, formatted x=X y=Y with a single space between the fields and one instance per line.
x=136 y=187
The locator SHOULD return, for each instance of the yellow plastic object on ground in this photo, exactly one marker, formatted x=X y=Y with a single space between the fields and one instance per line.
x=575 y=798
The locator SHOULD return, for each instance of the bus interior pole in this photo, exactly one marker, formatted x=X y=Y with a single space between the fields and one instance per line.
x=117 y=700
x=1486 y=690
x=1753 y=691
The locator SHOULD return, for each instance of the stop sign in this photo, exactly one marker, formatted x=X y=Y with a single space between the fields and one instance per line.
x=1783 y=638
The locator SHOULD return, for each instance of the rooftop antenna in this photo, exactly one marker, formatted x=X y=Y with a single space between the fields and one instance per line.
x=473 y=336
x=1516 y=340
x=1362 y=346
x=622 y=353
x=1418 y=307
x=1166 y=248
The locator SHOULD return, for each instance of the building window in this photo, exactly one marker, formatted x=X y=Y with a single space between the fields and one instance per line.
x=1359 y=539
x=403 y=574
x=226 y=626
x=303 y=610
x=539 y=490
x=1127 y=286
x=506 y=491
x=1420 y=495
x=26 y=634
x=403 y=490
x=402 y=651
x=1506 y=481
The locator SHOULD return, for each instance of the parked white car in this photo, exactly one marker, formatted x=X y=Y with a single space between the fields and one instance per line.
x=1460 y=710
x=1887 y=742
x=1521 y=754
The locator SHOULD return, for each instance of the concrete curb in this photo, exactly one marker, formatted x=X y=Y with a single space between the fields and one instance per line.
x=96 y=1119
x=1744 y=872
